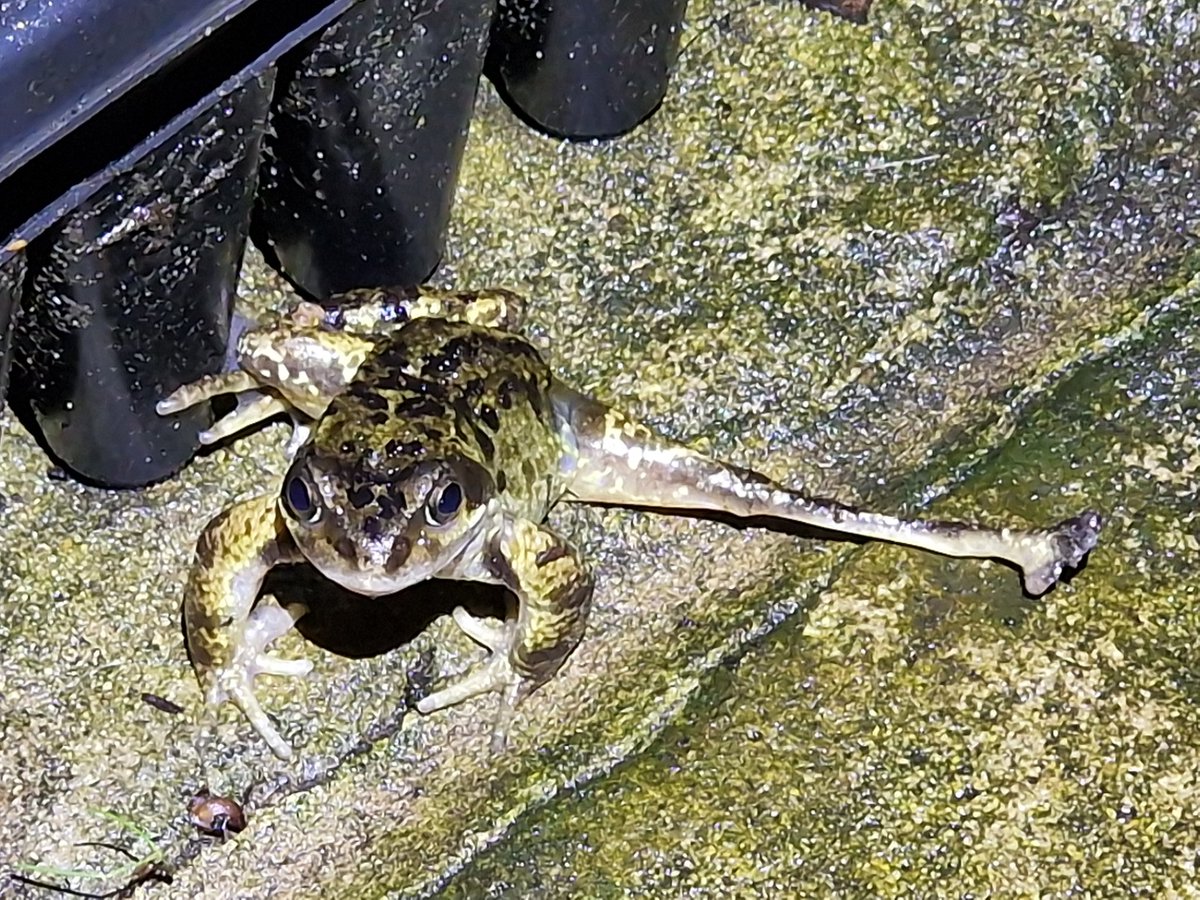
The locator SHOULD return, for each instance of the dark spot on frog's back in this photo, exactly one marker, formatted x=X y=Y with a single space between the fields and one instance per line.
x=391 y=357
x=512 y=389
x=449 y=359
x=390 y=503
x=551 y=554
x=474 y=389
x=360 y=496
x=413 y=407
x=489 y=417
x=406 y=449
x=469 y=422
x=486 y=447
x=368 y=397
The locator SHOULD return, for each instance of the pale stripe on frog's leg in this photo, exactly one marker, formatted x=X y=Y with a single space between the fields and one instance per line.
x=554 y=593
x=614 y=459
x=226 y=634
x=205 y=388
x=374 y=312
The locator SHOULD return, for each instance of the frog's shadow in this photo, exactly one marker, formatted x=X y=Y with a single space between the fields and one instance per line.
x=352 y=625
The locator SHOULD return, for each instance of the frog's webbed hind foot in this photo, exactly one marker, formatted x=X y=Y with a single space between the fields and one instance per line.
x=234 y=681
x=1050 y=551
x=254 y=405
x=497 y=675
x=205 y=388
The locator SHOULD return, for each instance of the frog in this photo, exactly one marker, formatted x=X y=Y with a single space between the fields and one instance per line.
x=431 y=440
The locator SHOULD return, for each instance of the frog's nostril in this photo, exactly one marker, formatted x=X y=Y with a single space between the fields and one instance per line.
x=399 y=555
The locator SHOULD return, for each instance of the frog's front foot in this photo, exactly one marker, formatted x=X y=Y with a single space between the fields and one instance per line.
x=496 y=675
x=1053 y=550
x=234 y=681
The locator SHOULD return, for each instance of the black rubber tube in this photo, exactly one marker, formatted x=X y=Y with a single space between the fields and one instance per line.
x=585 y=68
x=12 y=277
x=131 y=294
x=368 y=129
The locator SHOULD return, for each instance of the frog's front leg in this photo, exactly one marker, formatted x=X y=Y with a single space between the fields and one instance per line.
x=227 y=635
x=253 y=404
x=618 y=460
x=554 y=593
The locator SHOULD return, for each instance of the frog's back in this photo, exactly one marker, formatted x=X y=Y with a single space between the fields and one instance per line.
x=442 y=389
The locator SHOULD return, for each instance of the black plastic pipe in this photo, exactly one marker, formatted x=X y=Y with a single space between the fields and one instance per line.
x=585 y=68
x=367 y=135
x=131 y=294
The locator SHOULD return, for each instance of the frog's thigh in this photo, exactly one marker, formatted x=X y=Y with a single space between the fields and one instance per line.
x=226 y=640
x=373 y=312
x=554 y=593
x=306 y=366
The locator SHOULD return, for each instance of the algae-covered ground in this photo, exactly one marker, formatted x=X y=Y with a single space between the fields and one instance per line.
x=945 y=263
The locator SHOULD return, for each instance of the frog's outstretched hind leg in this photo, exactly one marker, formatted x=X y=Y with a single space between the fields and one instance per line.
x=618 y=460
x=205 y=388
x=375 y=312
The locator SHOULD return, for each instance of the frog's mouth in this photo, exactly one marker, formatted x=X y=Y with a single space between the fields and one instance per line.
x=373 y=568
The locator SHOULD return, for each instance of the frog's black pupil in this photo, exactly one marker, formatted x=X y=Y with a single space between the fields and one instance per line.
x=450 y=500
x=298 y=497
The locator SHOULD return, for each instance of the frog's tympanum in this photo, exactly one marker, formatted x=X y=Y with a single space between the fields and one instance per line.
x=431 y=441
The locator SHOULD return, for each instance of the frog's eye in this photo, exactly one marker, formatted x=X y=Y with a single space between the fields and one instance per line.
x=444 y=504
x=299 y=499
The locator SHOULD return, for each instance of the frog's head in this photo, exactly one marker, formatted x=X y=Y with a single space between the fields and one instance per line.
x=375 y=529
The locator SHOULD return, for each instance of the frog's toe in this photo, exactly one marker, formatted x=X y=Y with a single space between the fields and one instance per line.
x=266 y=664
x=268 y=622
x=497 y=675
x=183 y=397
x=1060 y=548
x=235 y=682
x=237 y=687
x=496 y=638
x=253 y=406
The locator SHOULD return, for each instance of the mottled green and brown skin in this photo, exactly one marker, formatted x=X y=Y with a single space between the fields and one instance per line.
x=431 y=441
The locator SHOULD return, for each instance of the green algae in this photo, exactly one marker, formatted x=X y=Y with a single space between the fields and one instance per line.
x=909 y=737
